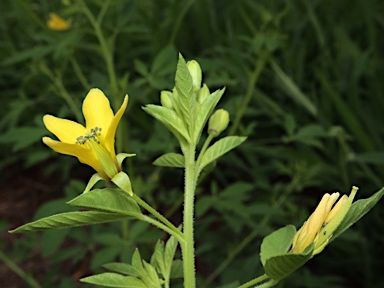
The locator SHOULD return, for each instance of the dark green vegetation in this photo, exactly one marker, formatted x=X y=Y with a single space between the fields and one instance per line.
x=304 y=81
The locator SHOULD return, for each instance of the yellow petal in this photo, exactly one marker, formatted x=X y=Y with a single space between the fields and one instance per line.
x=84 y=155
x=110 y=137
x=65 y=130
x=97 y=110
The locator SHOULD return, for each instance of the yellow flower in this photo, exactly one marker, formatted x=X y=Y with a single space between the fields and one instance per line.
x=323 y=222
x=94 y=144
x=57 y=23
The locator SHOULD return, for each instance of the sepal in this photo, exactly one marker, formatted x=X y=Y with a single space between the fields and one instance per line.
x=122 y=181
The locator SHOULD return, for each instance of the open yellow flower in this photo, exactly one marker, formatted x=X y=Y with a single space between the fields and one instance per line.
x=319 y=227
x=55 y=22
x=94 y=144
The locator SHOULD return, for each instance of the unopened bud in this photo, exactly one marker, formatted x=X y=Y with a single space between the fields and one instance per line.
x=195 y=71
x=218 y=122
x=165 y=99
x=203 y=94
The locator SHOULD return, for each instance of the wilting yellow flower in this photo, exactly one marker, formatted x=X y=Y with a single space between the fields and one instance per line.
x=323 y=222
x=57 y=23
x=93 y=144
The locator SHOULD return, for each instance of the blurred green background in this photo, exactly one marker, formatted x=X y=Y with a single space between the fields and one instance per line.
x=305 y=82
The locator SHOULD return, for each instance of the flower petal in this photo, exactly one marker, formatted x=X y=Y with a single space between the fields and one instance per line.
x=65 y=130
x=110 y=136
x=84 y=155
x=97 y=110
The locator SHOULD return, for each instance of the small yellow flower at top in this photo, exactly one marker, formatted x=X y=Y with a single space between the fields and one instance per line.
x=93 y=144
x=319 y=227
x=57 y=23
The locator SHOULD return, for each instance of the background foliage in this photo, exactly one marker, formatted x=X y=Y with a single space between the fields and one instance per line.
x=304 y=82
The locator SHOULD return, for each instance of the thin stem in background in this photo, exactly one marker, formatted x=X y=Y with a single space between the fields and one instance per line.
x=251 y=88
x=247 y=240
x=15 y=268
x=62 y=92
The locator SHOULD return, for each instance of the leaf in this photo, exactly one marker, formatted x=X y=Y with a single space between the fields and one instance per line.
x=170 y=160
x=122 y=268
x=109 y=279
x=292 y=90
x=357 y=211
x=277 y=243
x=281 y=266
x=69 y=219
x=274 y=256
x=164 y=61
x=220 y=148
x=169 y=254
x=23 y=137
x=177 y=269
x=157 y=258
x=204 y=110
x=169 y=118
x=184 y=87
x=110 y=199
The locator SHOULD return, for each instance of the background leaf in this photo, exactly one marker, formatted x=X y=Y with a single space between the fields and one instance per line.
x=69 y=219
x=109 y=279
x=219 y=148
x=170 y=160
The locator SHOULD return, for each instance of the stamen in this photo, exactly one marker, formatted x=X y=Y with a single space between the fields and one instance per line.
x=89 y=135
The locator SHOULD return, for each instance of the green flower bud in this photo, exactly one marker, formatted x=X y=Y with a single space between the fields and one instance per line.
x=195 y=71
x=166 y=100
x=203 y=94
x=218 y=122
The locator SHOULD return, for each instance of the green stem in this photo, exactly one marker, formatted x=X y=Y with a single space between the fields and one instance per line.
x=267 y=284
x=247 y=240
x=13 y=266
x=203 y=149
x=255 y=281
x=107 y=53
x=179 y=20
x=62 y=92
x=80 y=75
x=124 y=229
x=188 y=246
x=248 y=96
x=156 y=214
x=160 y=225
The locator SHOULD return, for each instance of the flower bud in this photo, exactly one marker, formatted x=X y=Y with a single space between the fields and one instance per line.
x=203 y=94
x=195 y=71
x=166 y=100
x=218 y=122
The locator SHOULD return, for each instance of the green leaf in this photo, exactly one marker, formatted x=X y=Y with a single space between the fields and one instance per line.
x=357 y=211
x=122 y=268
x=23 y=137
x=184 y=87
x=277 y=243
x=157 y=258
x=281 y=266
x=110 y=199
x=177 y=269
x=277 y=262
x=170 y=119
x=292 y=90
x=169 y=254
x=204 y=110
x=170 y=160
x=69 y=219
x=220 y=148
x=109 y=279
